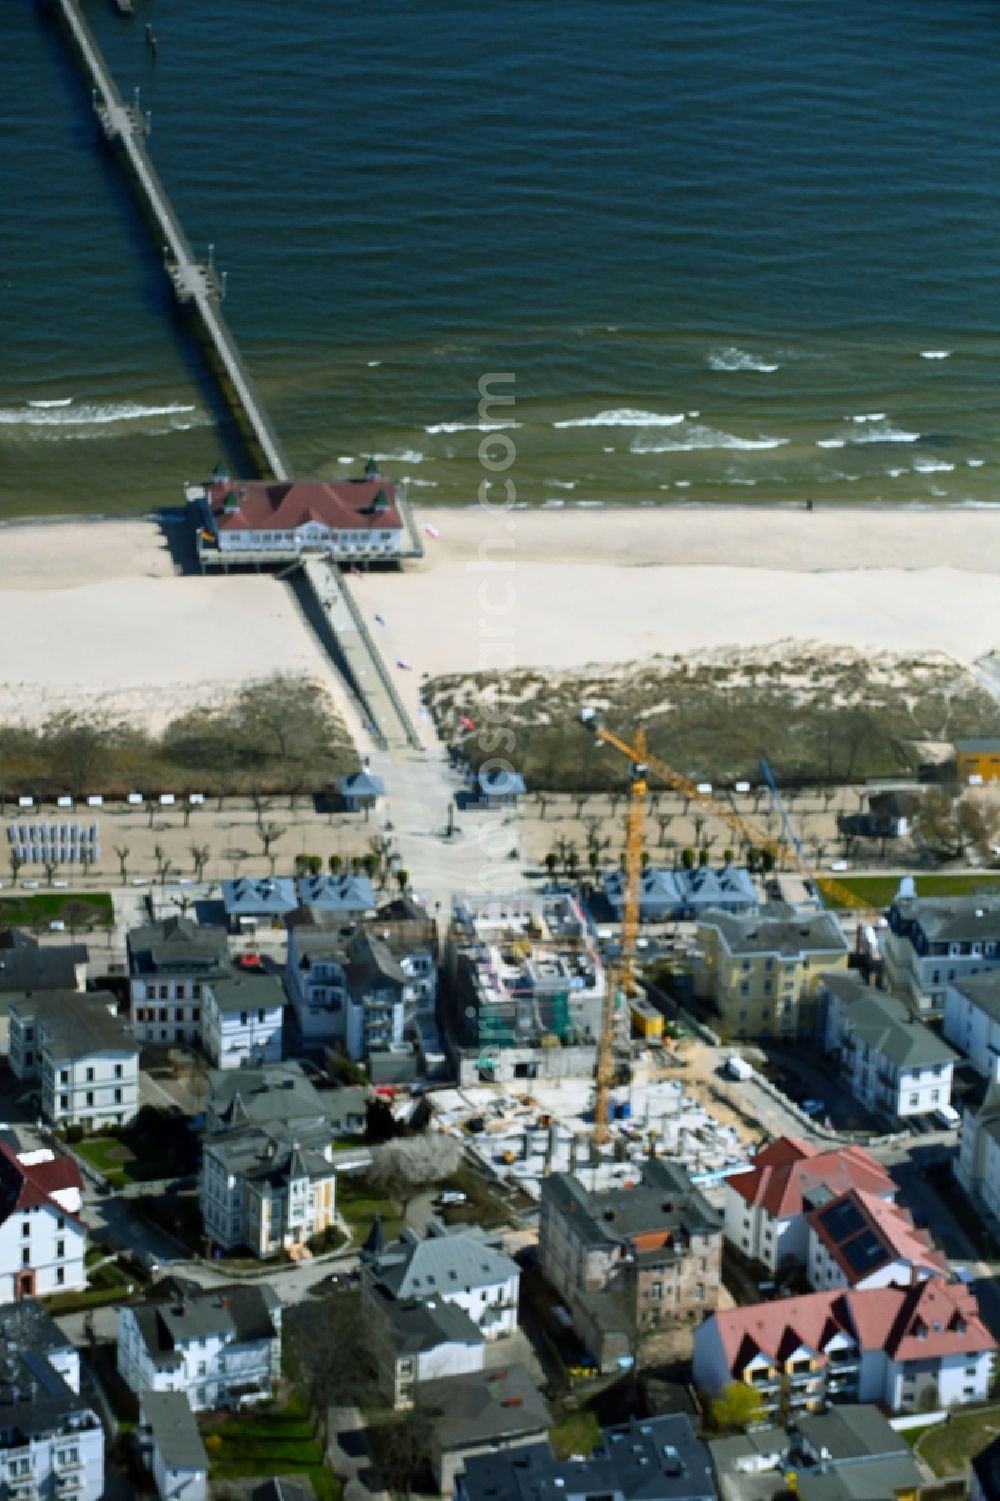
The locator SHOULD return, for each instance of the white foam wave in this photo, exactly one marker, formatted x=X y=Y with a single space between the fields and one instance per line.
x=562 y=484
x=624 y=417
x=935 y=354
x=883 y=433
x=697 y=436
x=552 y=504
x=469 y=427
x=867 y=417
x=830 y=442
x=86 y=415
x=975 y=463
x=932 y=466
x=739 y=359
x=62 y=401
x=405 y=456
x=421 y=484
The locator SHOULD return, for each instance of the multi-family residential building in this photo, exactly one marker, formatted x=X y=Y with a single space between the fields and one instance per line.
x=978 y=1165
x=972 y=1019
x=639 y=1259
x=681 y=895
x=761 y=972
x=861 y=1240
x=320 y=949
x=243 y=1017
x=51 y=1438
x=42 y=1238
x=909 y=1348
x=645 y=1459
x=169 y=964
x=526 y=987
x=172 y=1447
x=25 y=965
x=415 y=1341
x=456 y=1264
x=84 y=1055
x=849 y=1451
x=267 y=1176
x=488 y=1412
x=894 y=1065
x=767 y=1208
x=220 y=1348
x=347 y=519
x=933 y=941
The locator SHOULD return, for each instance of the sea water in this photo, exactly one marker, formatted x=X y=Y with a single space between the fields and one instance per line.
x=730 y=251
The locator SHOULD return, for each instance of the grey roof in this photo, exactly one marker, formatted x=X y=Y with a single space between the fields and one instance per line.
x=662 y=891
x=176 y=944
x=854 y=1430
x=35 y=1400
x=179 y=1312
x=784 y=934
x=417 y=1327
x=28 y=1323
x=864 y=1480
x=665 y=1199
x=78 y=1023
x=446 y=1259
x=982 y=991
x=337 y=893
x=26 y=966
x=360 y=784
x=267 y=896
x=371 y=965
x=657 y=1459
x=275 y=1154
x=273 y=1093
x=174 y=1430
x=888 y=1026
x=953 y=919
x=245 y=990
x=485 y=1407
x=979 y=743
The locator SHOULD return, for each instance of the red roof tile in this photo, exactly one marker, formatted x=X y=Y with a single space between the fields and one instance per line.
x=26 y=1187
x=343 y=505
x=789 y=1168
x=879 y=1318
x=893 y=1229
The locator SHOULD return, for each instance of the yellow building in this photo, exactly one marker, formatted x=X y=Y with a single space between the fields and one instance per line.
x=978 y=759
x=761 y=973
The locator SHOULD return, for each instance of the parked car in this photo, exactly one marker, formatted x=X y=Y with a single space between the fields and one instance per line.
x=450 y=1196
x=812 y=1107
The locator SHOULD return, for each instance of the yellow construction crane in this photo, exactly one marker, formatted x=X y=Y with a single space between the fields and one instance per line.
x=622 y=975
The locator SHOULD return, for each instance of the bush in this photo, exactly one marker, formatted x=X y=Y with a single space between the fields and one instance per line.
x=308 y=865
x=74 y=1134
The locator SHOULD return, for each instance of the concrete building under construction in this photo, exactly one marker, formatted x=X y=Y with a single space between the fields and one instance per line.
x=525 y=987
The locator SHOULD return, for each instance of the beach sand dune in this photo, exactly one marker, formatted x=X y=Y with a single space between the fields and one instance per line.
x=93 y=615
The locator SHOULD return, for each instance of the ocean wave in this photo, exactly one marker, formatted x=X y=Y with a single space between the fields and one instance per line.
x=830 y=442
x=975 y=463
x=60 y=401
x=932 y=466
x=882 y=433
x=867 y=417
x=405 y=456
x=470 y=427
x=935 y=354
x=697 y=436
x=562 y=484
x=624 y=417
x=739 y=359
x=34 y=415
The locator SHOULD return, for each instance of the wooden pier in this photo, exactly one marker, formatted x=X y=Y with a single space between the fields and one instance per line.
x=196 y=283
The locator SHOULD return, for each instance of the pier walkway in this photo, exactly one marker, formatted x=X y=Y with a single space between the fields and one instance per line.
x=196 y=282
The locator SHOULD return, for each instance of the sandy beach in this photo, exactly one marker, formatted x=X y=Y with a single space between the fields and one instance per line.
x=93 y=614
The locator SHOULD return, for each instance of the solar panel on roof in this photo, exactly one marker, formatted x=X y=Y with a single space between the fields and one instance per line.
x=842 y=1220
x=864 y=1253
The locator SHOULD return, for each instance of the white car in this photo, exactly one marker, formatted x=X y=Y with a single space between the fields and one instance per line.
x=451 y=1196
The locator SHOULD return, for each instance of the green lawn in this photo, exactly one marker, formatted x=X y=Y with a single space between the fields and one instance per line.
x=577 y=1433
x=481 y=1207
x=45 y=906
x=949 y=1446
x=127 y=1159
x=268 y=1441
x=878 y=891
x=358 y=1202
x=107 y=1284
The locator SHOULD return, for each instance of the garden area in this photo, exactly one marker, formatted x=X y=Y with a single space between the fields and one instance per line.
x=79 y=914
x=878 y=891
x=359 y=1201
x=156 y=1145
x=268 y=1440
x=947 y=1447
x=106 y=1283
